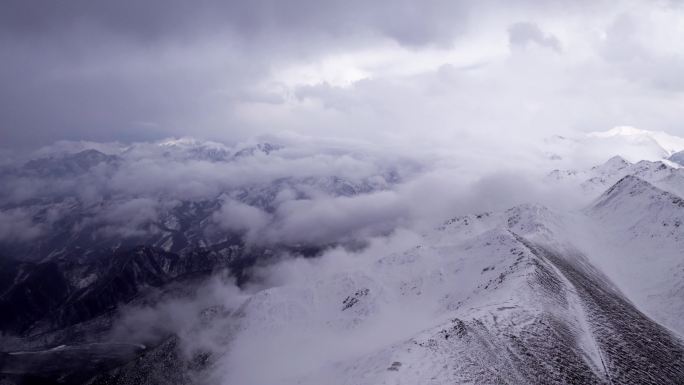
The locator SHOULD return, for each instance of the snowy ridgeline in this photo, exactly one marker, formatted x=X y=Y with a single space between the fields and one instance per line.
x=522 y=296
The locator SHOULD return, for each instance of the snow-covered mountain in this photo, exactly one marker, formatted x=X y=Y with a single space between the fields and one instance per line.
x=633 y=144
x=639 y=242
x=593 y=181
x=526 y=295
x=668 y=144
x=503 y=297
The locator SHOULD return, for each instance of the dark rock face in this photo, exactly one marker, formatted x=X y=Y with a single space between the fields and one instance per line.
x=159 y=366
x=77 y=232
x=181 y=227
x=65 y=364
x=57 y=294
x=38 y=289
x=70 y=300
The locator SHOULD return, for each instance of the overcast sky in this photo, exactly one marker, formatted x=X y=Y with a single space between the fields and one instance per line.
x=405 y=71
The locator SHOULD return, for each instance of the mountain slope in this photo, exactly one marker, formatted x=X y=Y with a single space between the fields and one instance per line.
x=528 y=295
x=497 y=298
x=597 y=179
x=634 y=233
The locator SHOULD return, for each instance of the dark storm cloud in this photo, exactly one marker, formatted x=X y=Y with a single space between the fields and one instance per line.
x=406 y=21
x=16 y=225
x=142 y=70
x=522 y=34
x=136 y=70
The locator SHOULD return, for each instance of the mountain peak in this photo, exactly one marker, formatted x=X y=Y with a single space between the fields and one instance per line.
x=259 y=148
x=614 y=164
x=635 y=209
x=617 y=160
x=668 y=143
x=635 y=190
x=620 y=131
x=191 y=148
x=629 y=183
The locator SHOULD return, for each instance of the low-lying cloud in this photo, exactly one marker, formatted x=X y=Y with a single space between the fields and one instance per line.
x=300 y=193
x=16 y=225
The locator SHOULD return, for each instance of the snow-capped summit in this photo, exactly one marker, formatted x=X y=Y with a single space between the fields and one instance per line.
x=629 y=185
x=191 y=148
x=630 y=143
x=668 y=143
x=259 y=148
x=641 y=209
x=612 y=165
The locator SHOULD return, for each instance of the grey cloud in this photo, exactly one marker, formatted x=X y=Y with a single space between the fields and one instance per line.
x=326 y=220
x=152 y=187
x=130 y=218
x=406 y=21
x=183 y=316
x=16 y=225
x=239 y=217
x=298 y=194
x=634 y=54
x=107 y=90
x=522 y=34
x=130 y=71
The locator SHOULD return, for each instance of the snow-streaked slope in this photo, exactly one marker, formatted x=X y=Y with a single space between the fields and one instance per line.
x=490 y=298
x=634 y=232
x=638 y=209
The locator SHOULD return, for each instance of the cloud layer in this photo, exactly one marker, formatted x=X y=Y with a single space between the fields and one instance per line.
x=70 y=195
x=430 y=73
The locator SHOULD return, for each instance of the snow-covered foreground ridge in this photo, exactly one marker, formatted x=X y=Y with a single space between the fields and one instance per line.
x=524 y=296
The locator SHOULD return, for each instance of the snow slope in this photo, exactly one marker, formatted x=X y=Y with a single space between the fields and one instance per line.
x=635 y=234
x=501 y=298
